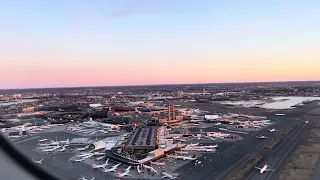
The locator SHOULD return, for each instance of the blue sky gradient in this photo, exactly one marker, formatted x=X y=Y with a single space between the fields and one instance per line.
x=249 y=38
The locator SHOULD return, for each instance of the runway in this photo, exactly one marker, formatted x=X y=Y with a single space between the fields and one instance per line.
x=232 y=155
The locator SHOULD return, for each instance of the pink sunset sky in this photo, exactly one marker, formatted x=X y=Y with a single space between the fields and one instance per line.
x=55 y=44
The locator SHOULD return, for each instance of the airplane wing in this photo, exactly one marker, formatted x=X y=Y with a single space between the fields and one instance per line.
x=269 y=169
x=257 y=168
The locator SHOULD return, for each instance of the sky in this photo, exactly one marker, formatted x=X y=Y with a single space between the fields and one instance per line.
x=65 y=43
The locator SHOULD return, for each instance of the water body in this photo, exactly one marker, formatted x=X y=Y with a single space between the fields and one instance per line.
x=287 y=102
x=17 y=102
x=281 y=102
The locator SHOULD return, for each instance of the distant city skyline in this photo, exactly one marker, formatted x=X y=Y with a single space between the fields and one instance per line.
x=112 y=43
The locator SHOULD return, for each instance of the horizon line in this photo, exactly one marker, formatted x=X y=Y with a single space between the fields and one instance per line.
x=128 y=85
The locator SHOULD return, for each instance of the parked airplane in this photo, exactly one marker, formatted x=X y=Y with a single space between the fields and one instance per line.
x=63 y=148
x=88 y=156
x=150 y=168
x=100 y=158
x=196 y=144
x=183 y=157
x=113 y=168
x=264 y=169
x=279 y=114
x=182 y=140
x=45 y=144
x=166 y=175
x=42 y=140
x=78 y=160
x=272 y=130
x=94 y=166
x=138 y=169
x=181 y=152
x=38 y=162
x=65 y=142
x=83 y=178
x=262 y=137
x=158 y=163
x=84 y=154
x=126 y=172
x=51 y=149
x=210 y=146
x=83 y=149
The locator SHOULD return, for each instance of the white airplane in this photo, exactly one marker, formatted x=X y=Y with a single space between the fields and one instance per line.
x=138 y=169
x=181 y=152
x=51 y=149
x=279 y=114
x=182 y=140
x=84 y=154
x=208 y=150
x=38 y=162
x=94 y=166
x=272 y=130
x=113 y=168
x=98 y=153
x=86 y=157
x=158 y=163
x=183 y=157
x=264 y=169
x=150 y=168
x=65 y=142
x=83 y=178
x=210 y=138
x=262 y=137
x=126 y=172
x=100 y=158
x=166 y=175
x=45 y=144
x=196 y=144
x=78 y=160
x=63 y=148
x=83 y=149
x=210 y=146
x=42 y=140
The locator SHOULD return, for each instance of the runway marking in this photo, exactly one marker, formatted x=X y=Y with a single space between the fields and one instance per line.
x=262 y=143
x=281 y=161
x=233 y=166
x=259 y=166
x=291 y=139
x=230 y=162
x=27 y=139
